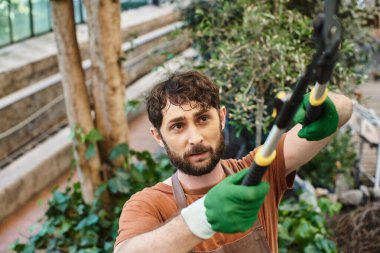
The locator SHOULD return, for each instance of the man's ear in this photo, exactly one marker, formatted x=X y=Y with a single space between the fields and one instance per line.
x=222 y=114
x=157 y=136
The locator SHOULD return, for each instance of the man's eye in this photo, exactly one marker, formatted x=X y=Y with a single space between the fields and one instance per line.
x=203 y=118
x=177 y=126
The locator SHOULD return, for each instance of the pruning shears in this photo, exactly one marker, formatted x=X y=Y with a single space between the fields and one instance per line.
x=327 y=36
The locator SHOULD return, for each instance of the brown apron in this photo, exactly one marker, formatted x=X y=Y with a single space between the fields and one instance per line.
x=252 y=242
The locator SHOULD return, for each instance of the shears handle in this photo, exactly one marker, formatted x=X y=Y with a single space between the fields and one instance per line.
x=254 y=175
x=317 y=97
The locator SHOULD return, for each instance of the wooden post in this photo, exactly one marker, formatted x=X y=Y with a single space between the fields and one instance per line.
x=76 y=97
x=103 y=19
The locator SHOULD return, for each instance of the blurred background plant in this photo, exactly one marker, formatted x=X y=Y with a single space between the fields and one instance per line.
x=71 y=225
x=254 y=49
x=336 y=158
x=302 y=228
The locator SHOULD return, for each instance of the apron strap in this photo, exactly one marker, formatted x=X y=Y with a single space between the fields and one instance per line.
x=254 y=242
x=179 y=194
x=227 y=170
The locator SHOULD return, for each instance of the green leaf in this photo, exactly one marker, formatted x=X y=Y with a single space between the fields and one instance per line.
x=64 y=228
x=40 y=202
x=108 y=246
x=102 y=188
x=80 y=209
x=131 y=106
x=136 y=175
x=73 y=249
x=77 y=186
x=93 y=136
x=80 y=134
x=120 y=183
x=72 y=134
x=17 y=246
x=32 y=228
x=90 y=238
x=312 y=249
x=91 y=151
x=303 y=231
x=120 y=150
x=60 y=200
x=169 y=56
x=112 y=185
x=52 y=244
x=87 y=221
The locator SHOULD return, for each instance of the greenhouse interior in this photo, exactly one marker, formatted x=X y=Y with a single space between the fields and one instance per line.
x=190 y=126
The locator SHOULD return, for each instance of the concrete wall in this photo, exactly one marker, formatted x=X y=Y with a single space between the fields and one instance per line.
x=33 y=172
x=35 y=115
x=47 y=106
x=39 y=167
x=27 y=62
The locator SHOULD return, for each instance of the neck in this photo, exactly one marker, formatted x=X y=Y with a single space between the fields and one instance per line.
x=196 y=182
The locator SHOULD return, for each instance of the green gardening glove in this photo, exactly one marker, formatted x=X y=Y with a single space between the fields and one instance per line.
x=322 y=127
x=232 y=207
x=229 y=207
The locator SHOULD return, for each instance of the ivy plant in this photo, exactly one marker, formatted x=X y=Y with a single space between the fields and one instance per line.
x=302 y=228
x=337 y=157
x=71 y=225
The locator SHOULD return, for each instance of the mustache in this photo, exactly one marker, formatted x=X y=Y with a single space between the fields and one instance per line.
x=197 y=149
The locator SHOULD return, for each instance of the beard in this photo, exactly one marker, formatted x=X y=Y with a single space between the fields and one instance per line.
x=183 y=163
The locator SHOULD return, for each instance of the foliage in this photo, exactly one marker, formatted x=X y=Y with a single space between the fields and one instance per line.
x=357 y=19
x=70 y=225
x=131 y=106
x=251 y=57
x=254 y=49
x=301 y=228
x=90 y=139
x=338 y=157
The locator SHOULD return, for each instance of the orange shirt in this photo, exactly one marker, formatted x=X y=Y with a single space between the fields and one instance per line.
x=151 y=207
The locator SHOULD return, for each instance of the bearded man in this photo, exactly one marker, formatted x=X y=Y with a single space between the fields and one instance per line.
x=203 y=207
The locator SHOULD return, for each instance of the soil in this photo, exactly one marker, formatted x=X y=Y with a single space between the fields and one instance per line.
x=358 y=230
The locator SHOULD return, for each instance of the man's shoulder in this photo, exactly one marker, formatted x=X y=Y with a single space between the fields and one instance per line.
x=155 y=201
x=152 y=197
x=247 y=160
x=157 y=190
x=237 y=165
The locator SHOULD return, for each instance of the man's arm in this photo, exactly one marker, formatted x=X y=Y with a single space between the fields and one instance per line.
x=298 y=151
x=174 y=236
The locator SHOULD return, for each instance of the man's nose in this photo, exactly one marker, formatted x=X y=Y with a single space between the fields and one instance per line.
x=195 y=135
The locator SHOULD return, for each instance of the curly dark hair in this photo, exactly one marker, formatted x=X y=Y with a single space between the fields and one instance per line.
x=181 y=89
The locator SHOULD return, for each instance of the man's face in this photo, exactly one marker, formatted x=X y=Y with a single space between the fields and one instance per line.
x=192 y=137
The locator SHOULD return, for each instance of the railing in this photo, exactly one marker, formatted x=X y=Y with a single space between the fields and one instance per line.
x=365 y=123
x=23 y=19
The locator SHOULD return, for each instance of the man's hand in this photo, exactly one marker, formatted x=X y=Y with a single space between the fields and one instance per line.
x=326 y=125
x=298 y=151
x=229 y=207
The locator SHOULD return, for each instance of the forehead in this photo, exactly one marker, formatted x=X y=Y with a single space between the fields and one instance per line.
x=172 y=111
